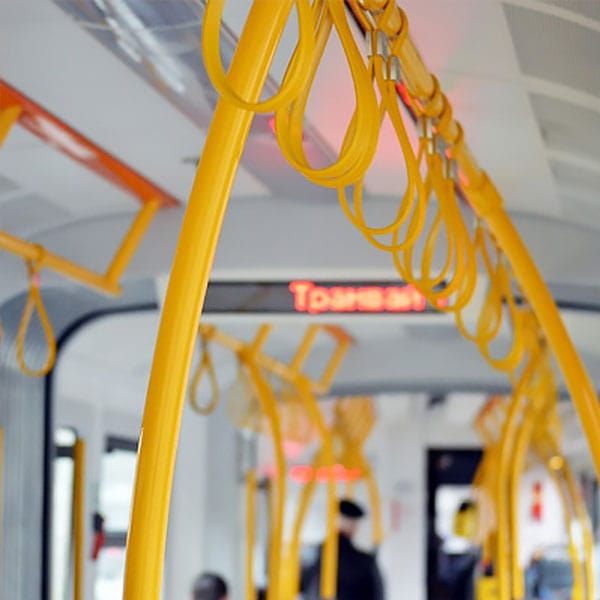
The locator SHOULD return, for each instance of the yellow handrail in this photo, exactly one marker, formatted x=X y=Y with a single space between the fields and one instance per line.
x=106 y=282
x=269 y=407
x=250 y=533
x=428 y=99
x=184 y=299
x=78 y=518
x=330 y=548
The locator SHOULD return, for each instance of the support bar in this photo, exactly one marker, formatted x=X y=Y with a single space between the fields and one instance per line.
x=78 y=519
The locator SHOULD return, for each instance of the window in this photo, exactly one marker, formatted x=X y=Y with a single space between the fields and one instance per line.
x=62 y=512
x=116 y=491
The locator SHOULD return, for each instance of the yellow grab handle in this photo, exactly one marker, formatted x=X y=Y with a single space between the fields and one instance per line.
x=295 y=76
x=204 y=366
x=34 y=302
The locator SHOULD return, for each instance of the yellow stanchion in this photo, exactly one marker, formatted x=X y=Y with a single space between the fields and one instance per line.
x=183 y=302
x=78 y=518
x=268 y=404
x=330 y=548
x=250 y=533
x=588 y=537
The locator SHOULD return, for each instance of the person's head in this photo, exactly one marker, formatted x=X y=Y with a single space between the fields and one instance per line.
x=350 y=515
x=209 y=586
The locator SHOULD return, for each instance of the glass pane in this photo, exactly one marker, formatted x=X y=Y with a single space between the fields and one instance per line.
x=64 y=436
x=61 y=526
x=110 y=568
x=116 y=488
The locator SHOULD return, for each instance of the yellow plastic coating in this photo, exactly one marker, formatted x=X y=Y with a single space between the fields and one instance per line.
x=204 y=366
x=52 y=261
x=577 y=592
x=250 y=533
x=330 y=547
x=78 y=518
x=576 y=377
x=268 y=404
x=375 y=503
x=184 y=299
x=580 y=513
x=428 y=98
x=34 y=302
x=108 y=282
x=360 y=142
x=521 y=448
x=293 y=80
x=8 y=117
x=502 y=475
x=131 y=241
x=293 y=554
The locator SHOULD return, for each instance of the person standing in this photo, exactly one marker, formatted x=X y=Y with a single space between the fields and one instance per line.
x=358 y=575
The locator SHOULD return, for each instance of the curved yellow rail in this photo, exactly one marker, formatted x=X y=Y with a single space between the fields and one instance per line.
x=450 y=287
x=184 y=299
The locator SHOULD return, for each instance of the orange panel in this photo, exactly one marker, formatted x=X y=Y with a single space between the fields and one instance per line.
x=59 y=135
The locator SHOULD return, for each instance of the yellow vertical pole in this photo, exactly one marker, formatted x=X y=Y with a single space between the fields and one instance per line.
x=293 y=557
x=569 y=518
x=78 y=518
x=329 y=566
x=268 y=404
x=250 y=532
x=8 y=117
x=185 y=296
x=518 y=464
x=582 y=516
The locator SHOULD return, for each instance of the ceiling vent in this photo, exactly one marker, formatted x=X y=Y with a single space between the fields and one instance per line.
x=577 y=181
x=590 y=9
x=568 y=128
x=555 y=49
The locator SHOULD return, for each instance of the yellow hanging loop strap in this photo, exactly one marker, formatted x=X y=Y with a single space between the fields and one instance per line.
x=412 y=205
x=360 y=141
x=295 y=76
x=34 y=302
x=204 y=366
x=452 y=287
x=490 y=314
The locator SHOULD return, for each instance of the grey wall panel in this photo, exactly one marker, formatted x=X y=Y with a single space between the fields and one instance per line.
x=23 y=418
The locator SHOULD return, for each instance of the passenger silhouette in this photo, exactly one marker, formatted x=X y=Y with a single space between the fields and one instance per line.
x=209 y=586
x=358 y=575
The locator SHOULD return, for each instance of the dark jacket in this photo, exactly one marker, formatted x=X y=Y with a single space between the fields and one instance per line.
x=358 y=575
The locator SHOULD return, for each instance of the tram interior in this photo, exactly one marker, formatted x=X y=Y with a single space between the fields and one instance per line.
x=128 y=75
